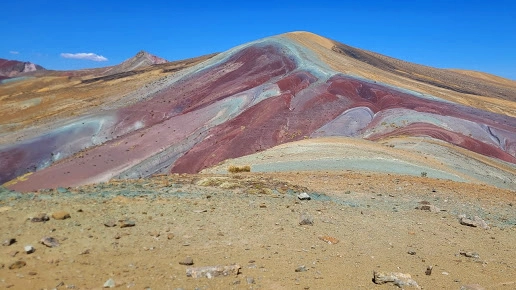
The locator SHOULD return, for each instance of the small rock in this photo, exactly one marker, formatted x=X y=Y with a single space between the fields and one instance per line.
x=329 y=240
x=428 y=271
x=170 y=236
x=127 y=223
x=428 y=207
x=263 y=205
x=475 y=222
x=42 y=217
x=49 y=242
x=110 y=283
x=250 y=280
x=470 y=254
x=399 y=279
x=213 y=271
x=85 y=252
x=14 y=253
x=188 y=261
x=9 y=242
x=301 y=268
x=306 y=219
x=60 y=215
x=29 y=249
x=472 y=287
x=303 y=196
x=32 y=273
x=411 y=253
x=17 y=265
x=110 y=224
x=61 y=190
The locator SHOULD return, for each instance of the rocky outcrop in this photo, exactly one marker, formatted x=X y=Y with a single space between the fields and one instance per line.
x=142 y=59
x=12 y=68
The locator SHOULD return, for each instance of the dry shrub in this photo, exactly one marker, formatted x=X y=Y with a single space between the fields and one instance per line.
x=237 y=169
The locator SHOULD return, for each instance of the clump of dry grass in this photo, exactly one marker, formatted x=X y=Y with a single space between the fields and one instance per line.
x=237 y=169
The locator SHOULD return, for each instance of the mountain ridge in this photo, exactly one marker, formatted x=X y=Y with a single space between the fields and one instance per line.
x=13 y=68
x=270 y=92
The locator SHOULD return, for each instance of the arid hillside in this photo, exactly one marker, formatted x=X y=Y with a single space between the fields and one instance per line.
x=75 y=128
x=290 y=162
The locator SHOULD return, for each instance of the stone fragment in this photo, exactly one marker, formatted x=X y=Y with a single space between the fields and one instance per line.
x=110 y=283
x=188 y=261
x=17 y=265
x=411 y=252
x=428 y=271
x=61 y=190
x=42 y=217
x=472 y=287
x=170 y=236
x=200 y=210
x=110 y=224
x=9 y=242
x=475 y=222
x=29 y=249
x=13 y=253
x=60 y=215
x=425 y=205
x=306 y=219
x=301 y=268
x=49 y=242
x=250 y=280
x=329 y=240
x=470 y=254
x=303 y=196
x=213 y=271
x=127 y=223
x=399 y=279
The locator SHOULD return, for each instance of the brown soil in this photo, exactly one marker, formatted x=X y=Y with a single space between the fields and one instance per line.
x=253 y=220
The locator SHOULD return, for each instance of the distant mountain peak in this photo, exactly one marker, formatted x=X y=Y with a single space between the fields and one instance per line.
x=142 y=59
x=12 y=68
x=147 y=58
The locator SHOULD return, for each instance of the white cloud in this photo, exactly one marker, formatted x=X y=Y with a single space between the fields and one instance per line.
x=84 y=55
x=14 y=52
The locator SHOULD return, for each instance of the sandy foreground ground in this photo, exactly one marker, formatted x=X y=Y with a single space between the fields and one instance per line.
x=138 y=234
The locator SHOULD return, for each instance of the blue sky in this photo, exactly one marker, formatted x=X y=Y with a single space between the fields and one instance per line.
x=475 y=35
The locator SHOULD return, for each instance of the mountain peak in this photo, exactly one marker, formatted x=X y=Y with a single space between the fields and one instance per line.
x=12 y=68
x=142 y=59
x=147 y=58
